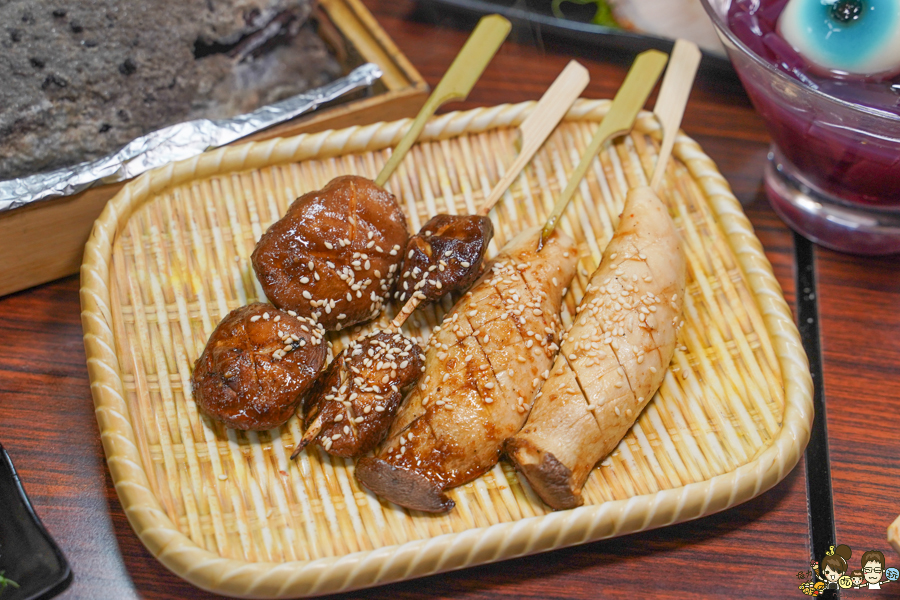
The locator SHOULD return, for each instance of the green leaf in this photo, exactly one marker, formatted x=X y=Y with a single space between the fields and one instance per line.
x=603 y=15
x=4 y=582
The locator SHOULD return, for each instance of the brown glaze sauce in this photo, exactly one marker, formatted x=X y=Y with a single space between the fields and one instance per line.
x=358 y=396
x=447 y=255
x=335 y=254
x=257 y=363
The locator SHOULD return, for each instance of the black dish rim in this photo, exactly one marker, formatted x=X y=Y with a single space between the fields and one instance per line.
x=603 y=37
x=55 y=585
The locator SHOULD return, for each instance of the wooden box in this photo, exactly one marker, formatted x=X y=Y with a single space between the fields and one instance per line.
x=45 y=241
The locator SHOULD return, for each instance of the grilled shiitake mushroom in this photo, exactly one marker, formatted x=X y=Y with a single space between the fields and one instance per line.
x=335 y=254
x=446 y=255
x=351 y=406
x=256 y=365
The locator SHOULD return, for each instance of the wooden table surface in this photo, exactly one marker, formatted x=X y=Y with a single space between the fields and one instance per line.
x=48 y=427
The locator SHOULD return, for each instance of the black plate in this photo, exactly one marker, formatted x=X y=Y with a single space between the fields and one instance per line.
x=536 y=15
x=28 y=555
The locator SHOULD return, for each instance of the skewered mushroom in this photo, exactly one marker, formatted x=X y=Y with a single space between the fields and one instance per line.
x=335 y=254
x=614 y=355
x=256 y=365
x=484 y=367
x=352 y=404
x=613 y=358
x=447 y=253
x=446 y=256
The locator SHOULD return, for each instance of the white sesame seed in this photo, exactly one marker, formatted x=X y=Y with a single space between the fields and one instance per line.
x=254 y=318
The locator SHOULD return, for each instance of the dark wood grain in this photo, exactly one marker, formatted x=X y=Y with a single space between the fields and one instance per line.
x=48 y=427
x=859 y=304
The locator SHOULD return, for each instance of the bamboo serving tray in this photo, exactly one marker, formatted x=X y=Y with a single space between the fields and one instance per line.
x=229 y=512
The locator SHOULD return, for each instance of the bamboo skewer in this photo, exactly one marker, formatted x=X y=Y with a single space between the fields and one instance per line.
x=533 y=131
x=456 y=83
x=629 y=100
x=409 y=308
x=672 y=100
x=311 y=433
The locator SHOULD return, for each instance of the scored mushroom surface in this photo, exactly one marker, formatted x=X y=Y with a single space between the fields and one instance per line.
x=256 y=365
x=614 y=355
x=446 y=255
x=335 y=254
x=351 y=406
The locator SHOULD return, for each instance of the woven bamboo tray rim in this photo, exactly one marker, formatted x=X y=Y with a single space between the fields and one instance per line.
x=454 y=550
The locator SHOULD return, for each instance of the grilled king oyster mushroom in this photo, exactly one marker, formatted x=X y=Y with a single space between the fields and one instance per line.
x=614 y=355
x=483 y=367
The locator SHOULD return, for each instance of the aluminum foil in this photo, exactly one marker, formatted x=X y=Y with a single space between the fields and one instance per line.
x=176 y=142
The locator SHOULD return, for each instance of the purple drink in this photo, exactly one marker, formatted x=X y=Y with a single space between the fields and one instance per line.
x=834 y=172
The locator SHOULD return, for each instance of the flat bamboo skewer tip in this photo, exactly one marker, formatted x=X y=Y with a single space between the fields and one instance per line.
x=534 y=130
x=456 y=84
x=409 y=308
x=672 y=100
x=629 y=100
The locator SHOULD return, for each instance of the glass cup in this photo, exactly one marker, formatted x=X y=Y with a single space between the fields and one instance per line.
x=834 y=167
